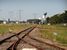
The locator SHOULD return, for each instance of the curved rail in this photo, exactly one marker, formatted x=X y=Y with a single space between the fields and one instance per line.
x=4 y=40
x=46 y=43
x=14 y=45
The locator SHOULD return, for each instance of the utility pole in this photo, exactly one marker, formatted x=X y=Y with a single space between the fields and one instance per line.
x=0 y=11
x=10 y=14
x=34 y=15
x=20 y=12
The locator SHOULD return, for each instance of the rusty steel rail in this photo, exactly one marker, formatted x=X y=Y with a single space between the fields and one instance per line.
x=4 y=40
x=32 y=45
x=46 y=43
x=14 y=45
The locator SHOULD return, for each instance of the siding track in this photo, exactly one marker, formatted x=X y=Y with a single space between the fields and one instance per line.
x=12 y=42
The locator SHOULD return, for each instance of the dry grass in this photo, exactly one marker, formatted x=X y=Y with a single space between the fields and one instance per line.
x=4 y=28
x=56 y=33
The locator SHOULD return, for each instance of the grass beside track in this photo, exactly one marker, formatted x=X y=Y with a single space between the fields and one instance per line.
x=56 y=33
x=5 y=28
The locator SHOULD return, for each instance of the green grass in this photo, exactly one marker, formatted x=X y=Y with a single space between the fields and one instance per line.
x=48 y=32
x=4 y=28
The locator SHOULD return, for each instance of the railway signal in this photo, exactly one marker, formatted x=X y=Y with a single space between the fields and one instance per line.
x=44 y=18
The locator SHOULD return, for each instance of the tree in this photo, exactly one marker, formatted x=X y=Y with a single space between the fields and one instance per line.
x=59 y=18
x=48 y=19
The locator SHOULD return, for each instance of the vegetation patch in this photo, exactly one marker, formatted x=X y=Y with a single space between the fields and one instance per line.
x=5 y=28
x=56 y=33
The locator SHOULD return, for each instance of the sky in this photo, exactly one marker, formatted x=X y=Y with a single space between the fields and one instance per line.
x=29 y=9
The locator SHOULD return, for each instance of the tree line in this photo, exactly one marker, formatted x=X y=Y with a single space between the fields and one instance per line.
x=55 y=19
x=58 y=18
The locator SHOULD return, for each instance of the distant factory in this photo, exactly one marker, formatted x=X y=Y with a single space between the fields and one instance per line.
x=41 y=20
x=10 y=22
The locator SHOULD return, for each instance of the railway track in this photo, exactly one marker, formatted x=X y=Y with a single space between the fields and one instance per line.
x=16 y=41
x=2 y=41
x=38 y=44
x=5 y=43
